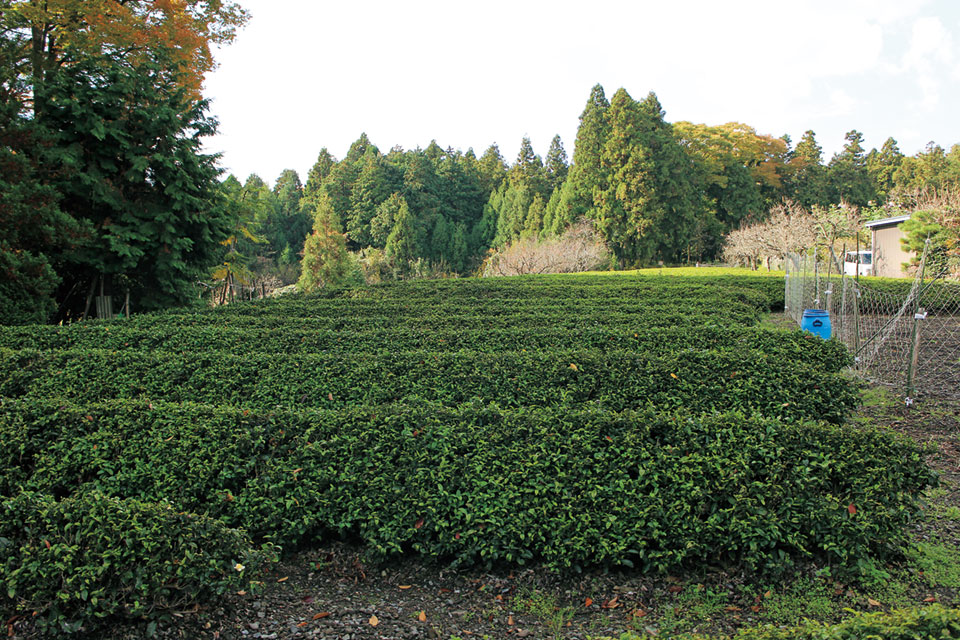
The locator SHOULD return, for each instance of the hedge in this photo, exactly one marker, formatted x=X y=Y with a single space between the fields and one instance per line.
x=790 y=346
x=699 y=380
x=71 y=565
x=925 y=623
x=652 y=489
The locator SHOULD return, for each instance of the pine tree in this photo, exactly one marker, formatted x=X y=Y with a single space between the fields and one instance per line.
x=882 y=166
x=440 y=239
x=533 y=225
x=493 y=169
x=556 y=164
x=375 y=182
x=849 y=179
x=587 y=173
x=382 y=223
x=528 y=171
x=808 y=181
x=650 y=206
x=318 y=173
x=402 y=245
x=129 y=140
x=35 y=229
x=459 y=248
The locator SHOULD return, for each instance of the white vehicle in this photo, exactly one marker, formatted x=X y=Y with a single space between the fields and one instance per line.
x=858 y=263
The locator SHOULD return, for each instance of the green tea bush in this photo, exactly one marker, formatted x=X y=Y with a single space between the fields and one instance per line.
x=651 y=489
x=928 y=623
x=699 y=380
x=789 y=346
x=610 y=315
x=73 y=564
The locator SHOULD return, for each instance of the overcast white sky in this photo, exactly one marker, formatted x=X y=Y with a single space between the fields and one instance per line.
x=308 y=74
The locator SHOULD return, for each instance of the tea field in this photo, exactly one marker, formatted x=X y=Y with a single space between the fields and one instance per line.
x=569 y=423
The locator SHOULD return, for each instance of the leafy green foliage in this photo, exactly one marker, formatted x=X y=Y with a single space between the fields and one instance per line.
x=654 y=489
x=927 y=623
x=74 y=563
x=129 y=142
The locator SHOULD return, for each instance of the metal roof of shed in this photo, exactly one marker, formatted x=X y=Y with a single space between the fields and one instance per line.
x=888 y=221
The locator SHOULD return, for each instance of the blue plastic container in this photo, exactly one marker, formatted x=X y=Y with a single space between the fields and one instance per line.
x=817 y=322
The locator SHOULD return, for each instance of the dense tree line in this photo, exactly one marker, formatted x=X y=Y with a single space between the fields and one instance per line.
x=655 y=190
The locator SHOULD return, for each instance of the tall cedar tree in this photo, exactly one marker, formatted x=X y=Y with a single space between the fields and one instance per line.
x=402 y=243
x=849 y=179
x=882 y=166
x=556 y=164
x=651 y=203
x=36 y=232
x=588 y=175
x=808 y=177
x=129 y=139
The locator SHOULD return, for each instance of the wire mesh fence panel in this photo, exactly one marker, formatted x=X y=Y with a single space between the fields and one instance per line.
x=904 y=334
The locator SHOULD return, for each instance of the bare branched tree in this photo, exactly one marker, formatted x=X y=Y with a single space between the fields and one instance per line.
x=789 y=229
x=578 y=249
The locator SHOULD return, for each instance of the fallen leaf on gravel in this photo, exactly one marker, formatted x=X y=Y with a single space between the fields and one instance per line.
x=302 y=624
x=588 y=602
x=307 y=599
x=241 y=593
x=510 y=621
x=872 y=602
x=374 y=621
x=405 y=586
x=322 y=614
x=499 y=598
x=283 y=579
x=611 y=603
x=422 y=617
x=639 y=613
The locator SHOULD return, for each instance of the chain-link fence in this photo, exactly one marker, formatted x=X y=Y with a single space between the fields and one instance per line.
x=904 y=334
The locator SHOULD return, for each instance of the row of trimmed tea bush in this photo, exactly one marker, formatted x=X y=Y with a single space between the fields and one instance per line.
x=652 y=489
x=793 y=346
x=573 y=300
x=921 y=623
x=647 y=316
x=69 y=565
x=700 y=380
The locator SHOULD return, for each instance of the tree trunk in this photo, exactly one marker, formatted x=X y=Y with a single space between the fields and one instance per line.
x=93 y=289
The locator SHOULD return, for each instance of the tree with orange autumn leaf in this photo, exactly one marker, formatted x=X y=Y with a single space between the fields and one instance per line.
x=51 y=33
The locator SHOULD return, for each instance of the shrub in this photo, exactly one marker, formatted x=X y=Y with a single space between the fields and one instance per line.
x=651 y=488
x=927 y=623
x=580 y=248
x=75 y=563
